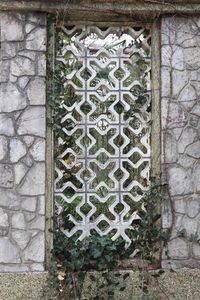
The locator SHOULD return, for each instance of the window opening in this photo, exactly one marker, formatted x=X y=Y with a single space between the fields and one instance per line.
x=103 y=144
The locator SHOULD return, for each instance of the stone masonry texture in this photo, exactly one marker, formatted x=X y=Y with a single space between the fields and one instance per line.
x=180 y=115
x=22 y=141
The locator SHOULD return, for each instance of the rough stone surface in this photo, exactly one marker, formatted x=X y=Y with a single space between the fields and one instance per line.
x=17 y=150
x=196 y=177
x=6 y=125
x=193 y=150
x=188 y=136
x=38 y=150
x=11 y=28
x=32 y=121
x=178 y=249
x=8 y=252
x=41 y=205
x=4 y=67
x=3 y=218
x=177 y=117
x=196 y=110
x=22 y=141
x=35 y=249
x=170 y=148
x=18 y=220
x=21 y=237
x=36 y=92
x=20 y=171
x=29 y=204
x=35 y=179
x=180 y=182
x=11 y=98
x=9 y=199
x=38 y=223
x=36 y=40
x=193 y=208
x=196 y=250
x=3 y=147
x=23 y=81
x=21 y=66
x=7 y=176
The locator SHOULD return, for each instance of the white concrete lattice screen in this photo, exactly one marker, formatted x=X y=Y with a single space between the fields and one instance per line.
x=103 y=162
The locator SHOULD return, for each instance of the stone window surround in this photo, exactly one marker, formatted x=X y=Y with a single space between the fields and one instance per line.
x=155 y=126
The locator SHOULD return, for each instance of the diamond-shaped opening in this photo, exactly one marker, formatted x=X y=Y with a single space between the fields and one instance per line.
x=135 y=122
x=86 y=141
x=102 y=191
x=86 y=74
x=102 y=158
x=119 y=140
x=103 y=225
x=135 y=57
x=119 y=74
x=69 y=192
x=68 y=124
x=119 y=208
x=86 y=175
x=119 y=174
x=135 y=157
x=85 y=108
x=85 y=208
x=102 y=57
x=136 y=190
x=137 y=90
x=119 y=108
x=103 y=90
x=69 y=158
x=103 y=124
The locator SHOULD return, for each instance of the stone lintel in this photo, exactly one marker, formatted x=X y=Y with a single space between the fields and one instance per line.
x=102 y=10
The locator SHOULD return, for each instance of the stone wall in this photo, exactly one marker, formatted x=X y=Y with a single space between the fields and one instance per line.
x=180 y=115
x=22 y=142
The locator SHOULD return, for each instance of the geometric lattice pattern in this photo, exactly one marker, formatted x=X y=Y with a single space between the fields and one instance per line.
x=103 y=162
